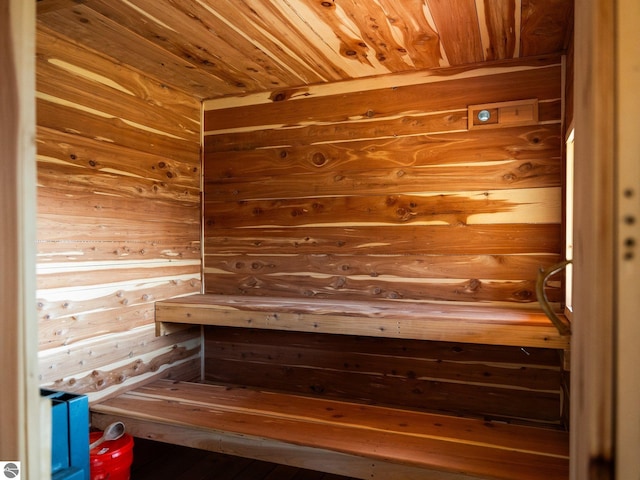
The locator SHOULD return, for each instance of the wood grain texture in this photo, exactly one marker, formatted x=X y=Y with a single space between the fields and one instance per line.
x=542 y=83
x=24 y=415
x=383 y=172
x=380 y=318
x=311 y=458
x=226 y=48
x=475 y=380
x=118 y=218
x=417 y=440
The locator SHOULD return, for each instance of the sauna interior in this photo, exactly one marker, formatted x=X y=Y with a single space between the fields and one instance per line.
x=317 y=152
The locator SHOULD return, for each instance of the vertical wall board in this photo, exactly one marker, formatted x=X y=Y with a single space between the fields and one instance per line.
x=118 y=219
x=628 y=238
x=592 y=396
x=24 y=416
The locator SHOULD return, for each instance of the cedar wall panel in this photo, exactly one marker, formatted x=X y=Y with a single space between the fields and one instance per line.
x=369 y=190
x=118 y=219
x=497 y=382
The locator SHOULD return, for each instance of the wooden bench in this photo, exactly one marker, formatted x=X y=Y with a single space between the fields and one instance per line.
x=337 y=435
x=520 y=326
x=361 y=441
x=513 y=325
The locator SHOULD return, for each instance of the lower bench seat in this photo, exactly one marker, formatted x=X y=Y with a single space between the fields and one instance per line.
x=356 y=440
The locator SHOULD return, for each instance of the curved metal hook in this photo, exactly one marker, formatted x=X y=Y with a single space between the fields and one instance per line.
x=543 y=275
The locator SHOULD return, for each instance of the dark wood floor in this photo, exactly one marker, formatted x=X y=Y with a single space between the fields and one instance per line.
x=160 y=461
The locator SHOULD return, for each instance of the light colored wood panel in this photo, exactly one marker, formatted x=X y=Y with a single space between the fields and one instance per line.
x=64 y=364
x=175 y=177
x=519 y=143
x=70 y=118
x=496 y=180
x=113 y=206
x=76 y=274
x=61 y=80
x=435 y=239
x=86 y=27
x=594 y=252
x=114 y=250
x=128 y=371
x=78 y=191
x=628 y=271
x=233 y=61
x=346 y=287
x=23 y=415
x=58 y=227
x=538 y=205
x=499 y=24
x=393 y=319
x=55 y=49
x=505 y=267
x=541 y=83
x=457 y=25
x=70 y=315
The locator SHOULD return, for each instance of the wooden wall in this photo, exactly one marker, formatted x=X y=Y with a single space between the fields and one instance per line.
x=493 y=382
x=377 y=189
x=118 y=219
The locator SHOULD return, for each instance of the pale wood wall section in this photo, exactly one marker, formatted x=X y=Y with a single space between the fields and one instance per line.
x=118 y=219
x=382 y=192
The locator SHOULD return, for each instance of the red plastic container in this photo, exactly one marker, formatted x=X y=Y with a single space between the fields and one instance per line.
x=111 y=460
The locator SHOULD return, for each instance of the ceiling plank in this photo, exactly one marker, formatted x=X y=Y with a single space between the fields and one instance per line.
x=500 y=28
x=544 y=25
x=457 y=25
x=86 y=27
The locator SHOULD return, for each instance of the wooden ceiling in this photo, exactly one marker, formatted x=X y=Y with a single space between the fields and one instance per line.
x=215 y=48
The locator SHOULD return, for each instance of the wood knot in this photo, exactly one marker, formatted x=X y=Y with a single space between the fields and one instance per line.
x=318 y=159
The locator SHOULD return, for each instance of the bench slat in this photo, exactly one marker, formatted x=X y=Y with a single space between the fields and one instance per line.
x=387 y=436
x=512 y=326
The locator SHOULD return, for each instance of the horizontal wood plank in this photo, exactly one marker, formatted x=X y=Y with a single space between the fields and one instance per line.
x=387 y=240
x=495 y=267
x=438 y=96
x=384 y=435
x=346 y=287
x=537 y=205
x=490 y=325
x=386 y=148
